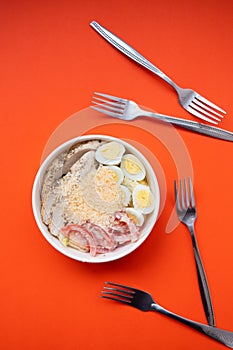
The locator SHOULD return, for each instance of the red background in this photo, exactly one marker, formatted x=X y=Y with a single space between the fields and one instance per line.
x=51 y=63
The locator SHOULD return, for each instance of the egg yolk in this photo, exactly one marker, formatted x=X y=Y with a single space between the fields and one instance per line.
x=144 y=198
x=132 y=167
x=134 y=218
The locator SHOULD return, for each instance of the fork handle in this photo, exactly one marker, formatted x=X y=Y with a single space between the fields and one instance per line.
x=130 y=52
x=203 y=284
x=220 y=335
x=199 y=128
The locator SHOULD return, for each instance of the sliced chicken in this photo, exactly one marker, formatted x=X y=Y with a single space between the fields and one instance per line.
x=53 y=173
x=77 y=151
x=62 y=164
x=57 y=217
x=49 y=202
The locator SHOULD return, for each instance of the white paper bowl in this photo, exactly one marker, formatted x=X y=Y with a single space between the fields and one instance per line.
x=76 y=254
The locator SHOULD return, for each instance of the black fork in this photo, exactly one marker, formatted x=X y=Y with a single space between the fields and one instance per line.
x=143 y=301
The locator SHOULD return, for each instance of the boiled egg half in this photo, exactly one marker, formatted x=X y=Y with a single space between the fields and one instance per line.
x=132 y=167
x=110 y=153
x=135 y=215
x=116 y=173
x=143 y=199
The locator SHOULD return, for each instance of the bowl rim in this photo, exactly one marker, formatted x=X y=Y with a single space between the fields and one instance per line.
x=74 y=253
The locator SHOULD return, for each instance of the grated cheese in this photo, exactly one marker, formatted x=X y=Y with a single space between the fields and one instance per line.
x=95 y=198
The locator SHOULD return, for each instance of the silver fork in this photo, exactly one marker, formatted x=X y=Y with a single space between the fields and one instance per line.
x=143 y=301
x=189 y=99
x=124 y=109
x=186 y=211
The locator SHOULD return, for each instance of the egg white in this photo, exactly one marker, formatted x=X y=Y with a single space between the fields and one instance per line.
x=135 y=215
x=132 y=167
x=126 y=195
x=117 y=172
x=143 y=199
x=110 y=153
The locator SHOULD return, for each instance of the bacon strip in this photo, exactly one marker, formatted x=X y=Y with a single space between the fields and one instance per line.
x=76 y=233
x=96 y=239
x=104 y=240
x=124 y=229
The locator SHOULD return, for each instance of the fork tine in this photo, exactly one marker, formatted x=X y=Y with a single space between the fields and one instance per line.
x=191 y=193
x=106 y=102
x=187 y=196
x=118 y=292
x=117 y=107
x=199 y=115
x=117 y=295
x=111 y=97
x=211 y=104
x=101 y=110
x=121 y=286
x=109 y=107
x=200 y=104
x=176 y=195
x=126 y=292
x=115 y=299
x=182 y=195
x=194 y=104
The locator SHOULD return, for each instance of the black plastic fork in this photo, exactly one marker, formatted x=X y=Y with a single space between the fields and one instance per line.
x=143 y=301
